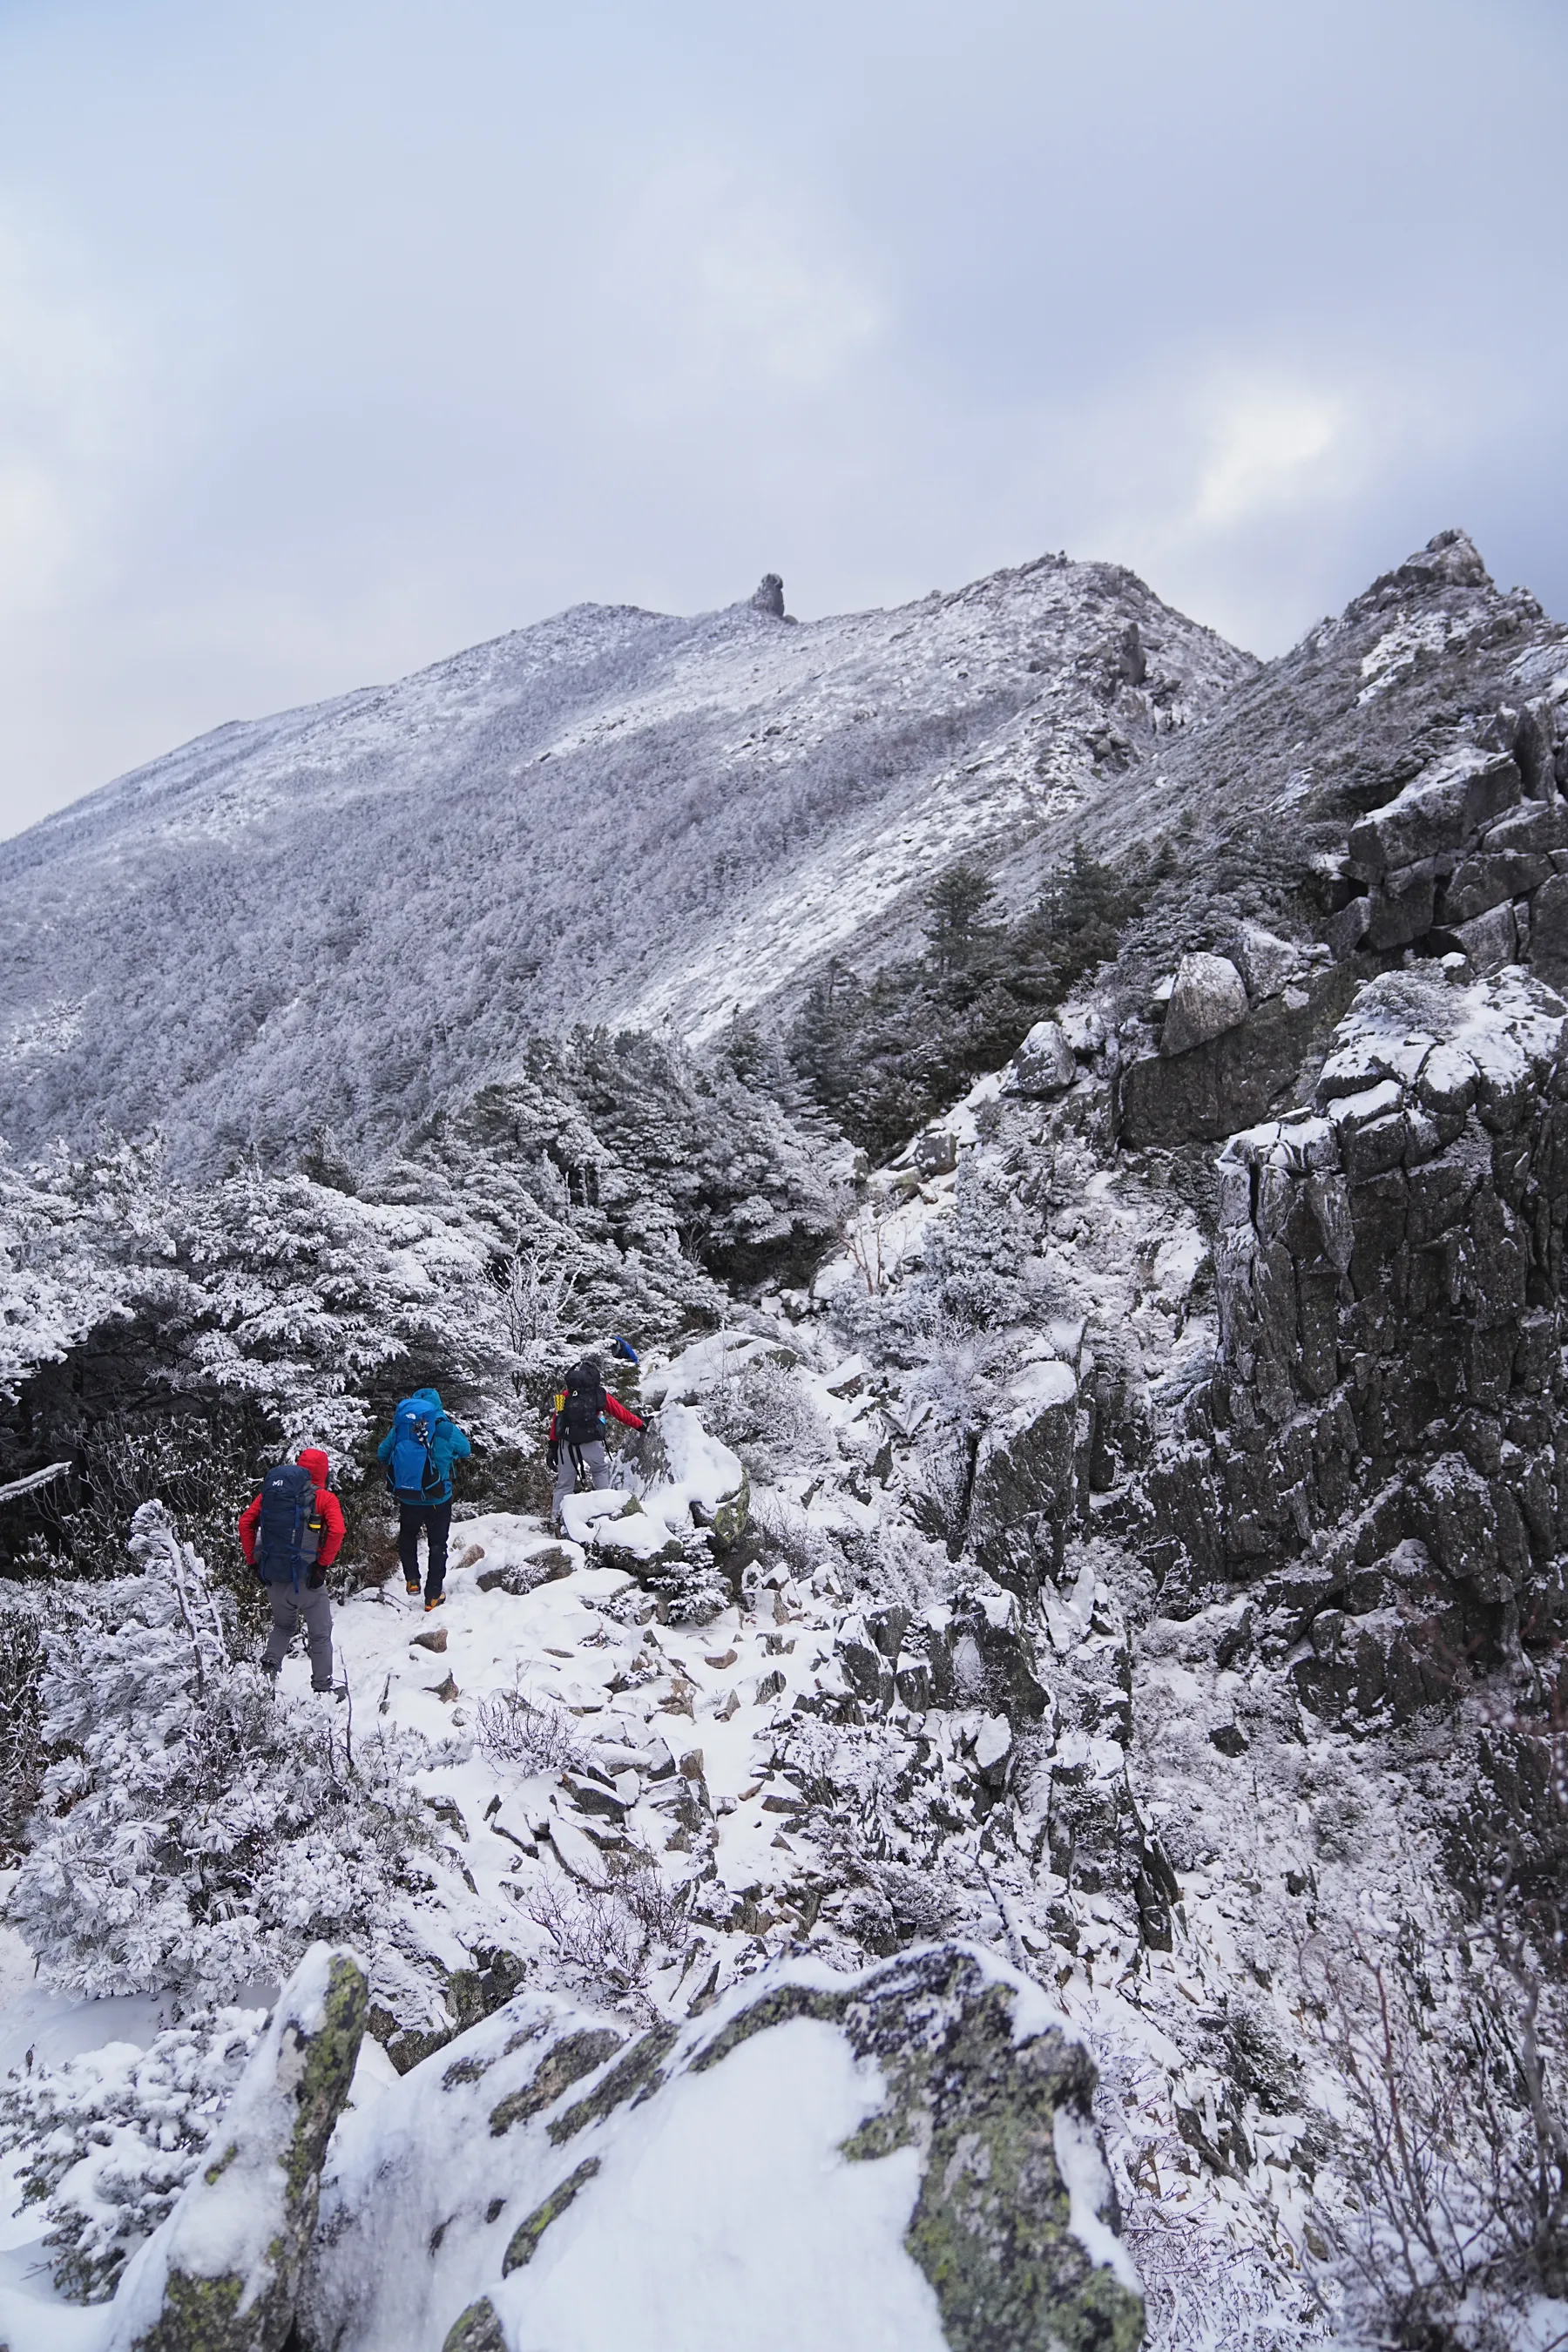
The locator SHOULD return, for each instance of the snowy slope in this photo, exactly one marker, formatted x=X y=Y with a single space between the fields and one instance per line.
x=341 y=915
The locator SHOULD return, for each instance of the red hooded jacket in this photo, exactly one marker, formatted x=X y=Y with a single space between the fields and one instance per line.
x=314 y=1460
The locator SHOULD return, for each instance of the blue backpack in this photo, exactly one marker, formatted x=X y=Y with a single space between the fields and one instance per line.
x=411 y=1473
x=289 y=1532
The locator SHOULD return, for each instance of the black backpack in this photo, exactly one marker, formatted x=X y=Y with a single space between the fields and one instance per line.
x=289 y=1532
x=583 y=1410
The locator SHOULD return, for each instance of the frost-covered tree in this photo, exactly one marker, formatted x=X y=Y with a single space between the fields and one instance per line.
x=197 y=1829
x=59 y=1273
x=109 y=2138
x=301 y=1298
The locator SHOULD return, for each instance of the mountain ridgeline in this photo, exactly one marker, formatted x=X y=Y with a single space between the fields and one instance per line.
x=347 y=916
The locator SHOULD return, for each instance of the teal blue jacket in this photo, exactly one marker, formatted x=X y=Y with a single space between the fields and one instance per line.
x=447 y=1443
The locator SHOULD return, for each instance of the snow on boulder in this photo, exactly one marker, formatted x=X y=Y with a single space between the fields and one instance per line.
x=900 y=2161
x=221 y=2272
x=583 y=1516
x=709 y=1363
x=711 y=1479
x=1267 y=962
x=1449 y=800
x=1209 y=997
x=701 y=1484
x=1044 y=1063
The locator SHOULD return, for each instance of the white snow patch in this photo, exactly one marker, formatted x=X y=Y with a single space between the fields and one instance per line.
x=704 y=1469
x=729 y=2217
x=1082 y=2168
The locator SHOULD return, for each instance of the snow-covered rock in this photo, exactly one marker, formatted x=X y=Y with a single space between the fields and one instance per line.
x=1044 y=1063
x=905 y=2158
x=1021 y=1500
x=223 y=2271
x=1208 y=997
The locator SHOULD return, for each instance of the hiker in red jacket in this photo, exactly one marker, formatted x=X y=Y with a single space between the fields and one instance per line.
x=574 y=1443
x=290 y=1535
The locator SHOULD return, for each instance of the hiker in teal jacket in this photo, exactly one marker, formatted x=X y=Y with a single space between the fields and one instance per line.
x=418 y=1452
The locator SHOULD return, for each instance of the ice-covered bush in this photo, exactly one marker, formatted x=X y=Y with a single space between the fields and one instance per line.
x=112 y=2137
x=605 y=1942
x=22 y=1753
x=517 y=1729
x=769 y=1419
x=789 y=1535
x=692 y=1590
x=1446 y=2199
x=197 y=1828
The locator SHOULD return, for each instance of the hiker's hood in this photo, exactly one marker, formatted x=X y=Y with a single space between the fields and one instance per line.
x=428 y=1402
x=312 y=1459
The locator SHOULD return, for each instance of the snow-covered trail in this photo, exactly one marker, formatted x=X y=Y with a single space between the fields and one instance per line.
x=649 y=1708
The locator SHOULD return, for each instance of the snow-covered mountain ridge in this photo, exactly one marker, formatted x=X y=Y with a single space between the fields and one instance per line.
x=342 y=916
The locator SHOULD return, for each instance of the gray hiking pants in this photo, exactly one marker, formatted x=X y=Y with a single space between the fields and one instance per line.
x=288 y=1607
x=596 y=1462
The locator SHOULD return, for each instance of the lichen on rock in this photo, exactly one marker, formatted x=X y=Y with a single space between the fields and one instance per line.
x=526 y=2236
x=979 y=2093
x=222 y=2274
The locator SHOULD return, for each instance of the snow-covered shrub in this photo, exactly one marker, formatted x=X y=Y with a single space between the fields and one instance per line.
x=542 y=1307
x=739 y=1173
x=605 y=1942
x=517 y=1729
x=692 y=1590
x=197 y=1829
x=1203 y=2293
x=789 y=1535
x=112 y=2137
x=1448 y=2190
x=211 y=1329
x=770 y=1420
x=201 y=1464
x=312 y=1301
x=58 y=1275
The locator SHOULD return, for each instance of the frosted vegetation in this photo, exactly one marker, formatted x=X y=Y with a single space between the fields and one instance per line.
x=341 y=916
x=1005 y=1561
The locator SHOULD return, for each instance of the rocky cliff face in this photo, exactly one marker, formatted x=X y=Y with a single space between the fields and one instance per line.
x=1378 y=1452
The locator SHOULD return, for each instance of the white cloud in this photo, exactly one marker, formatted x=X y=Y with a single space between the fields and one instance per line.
x=1269 y=448
x=63 y=385
x=342 y=334
x=803 y=317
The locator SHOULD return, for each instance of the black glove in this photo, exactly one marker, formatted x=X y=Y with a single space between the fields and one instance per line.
x=256 y=1571
x=552 y=1455
x=316 y=1578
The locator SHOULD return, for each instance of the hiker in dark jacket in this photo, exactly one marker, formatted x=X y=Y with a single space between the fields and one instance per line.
x=290 y=1535
x=418 y=1452
x=575 y=1440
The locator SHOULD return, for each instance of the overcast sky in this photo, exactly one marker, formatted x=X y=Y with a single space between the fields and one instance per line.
x=334 y=337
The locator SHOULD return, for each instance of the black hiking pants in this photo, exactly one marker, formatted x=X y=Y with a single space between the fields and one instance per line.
x=436 y=1518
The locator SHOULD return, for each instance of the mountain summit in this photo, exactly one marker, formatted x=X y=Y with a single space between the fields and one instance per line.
x=345 y=914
